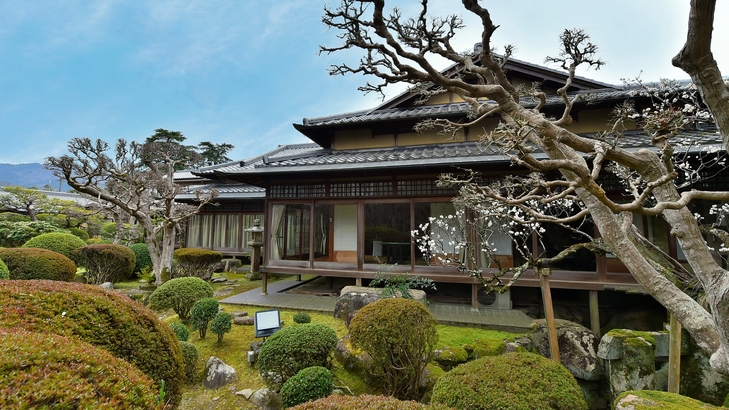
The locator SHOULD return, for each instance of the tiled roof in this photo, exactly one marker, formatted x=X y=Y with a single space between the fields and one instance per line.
x=232 y=191
x=441 y=110
x=311 y=157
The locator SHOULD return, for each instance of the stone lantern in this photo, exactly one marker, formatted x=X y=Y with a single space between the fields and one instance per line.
x=256 y=243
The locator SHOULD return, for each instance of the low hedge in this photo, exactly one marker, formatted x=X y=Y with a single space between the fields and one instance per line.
x=64 y=243
x=513 y=381
x=367 y=402
x=83 y=235
x=143 y=259
x=107 y=262
x=190 y=355
x=35 y=263
x=42 y=370
x=293 y=349
x=196 y=262
x=106 y=319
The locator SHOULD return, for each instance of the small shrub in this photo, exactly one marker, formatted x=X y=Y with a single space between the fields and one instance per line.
x=4 y=272
x=14 y=234
x=309 y=384
x=399 y=286
x=190 y=355
x=515 y=381
x=64 y=243
x=179 y=295
x=106 y=262
x=143 y=259
x=83 y=235
x=365 y=401
x=182 y=332
x=34 y=263
x=196 y=262
x=293 y=349
x=202 y=312
x=399 y=334
x=221 y=324
x=106 y=319
x=49 y=371
x=302 y=317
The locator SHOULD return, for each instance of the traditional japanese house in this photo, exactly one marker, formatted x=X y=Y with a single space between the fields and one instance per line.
x=347 y=203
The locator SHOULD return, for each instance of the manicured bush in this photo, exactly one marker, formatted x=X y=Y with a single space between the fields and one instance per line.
x=4 y=272
x=221 y=324
x=51 y=371
x=293 y=349
x=83 y=235
x=35 y=263
x=106 y=319
x=182 y=332
x=179 y=295
x=514 y=381
x=365 y=401
x=64 y=243
x=196 y=262
x=14 y=234
x=190 y=355
x=309 y=384
x=302 y=317
x=107 y=262
x=202 y=312
x=399 y=334
x=143 y=258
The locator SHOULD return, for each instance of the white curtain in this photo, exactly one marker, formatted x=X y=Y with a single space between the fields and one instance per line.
x=277 y=234
x=226 y=231
x=199 y=231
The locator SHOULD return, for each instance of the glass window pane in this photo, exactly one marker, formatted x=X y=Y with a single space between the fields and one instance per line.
x=387 y=233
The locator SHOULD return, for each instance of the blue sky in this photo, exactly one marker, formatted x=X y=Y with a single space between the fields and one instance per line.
x=243 y=71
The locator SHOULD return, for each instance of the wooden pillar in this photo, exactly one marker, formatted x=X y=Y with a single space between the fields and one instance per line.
x=358 y=281
x=594 y=314
x=674 y=355
x=474 y=296
x=264 y=282
x=298 y=278
x=549 y=313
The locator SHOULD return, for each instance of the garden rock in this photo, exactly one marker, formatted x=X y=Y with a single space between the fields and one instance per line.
x=250 y=275
x=218 y=279
x=238 y=313
x=243 y=320
x=266 y=399
x=107 y=285
x=218 y=374
x=351 y=359
x=577 y=348
x=246 y=393
x=450 y=357
x=354 y=298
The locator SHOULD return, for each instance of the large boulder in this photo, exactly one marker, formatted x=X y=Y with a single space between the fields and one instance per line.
x=577 y=348
x=632 y=400
x=266 y=399
x=353 y=298
x=218 y=374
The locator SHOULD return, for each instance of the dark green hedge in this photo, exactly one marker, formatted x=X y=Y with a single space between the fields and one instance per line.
x=64 y=243
x=196 y=262
x=106 y=319
x=44 y=370
x=35 y=263
x=180 y=294
x=107 y=262
x=309 y=384
x=143 y=258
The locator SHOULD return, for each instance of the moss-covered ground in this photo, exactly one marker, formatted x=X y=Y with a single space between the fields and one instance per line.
x=236 y=344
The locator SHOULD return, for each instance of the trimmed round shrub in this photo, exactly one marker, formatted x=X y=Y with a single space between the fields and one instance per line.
x=293 y=349
x=106 y=319
x=190 y=355
x=35 y=263
x=50 y=371
x=309 y=384
x=514 y=381
x=196 y=262
x=83 y=235
x=221 y=324
x=302 y=317
x=182 y=332
x=64 y=243
x=106 y=262
x=400 y=335
x=180 y=294
x=4 y=272
x=202 y=312
x=365 y=401
x=143 y=258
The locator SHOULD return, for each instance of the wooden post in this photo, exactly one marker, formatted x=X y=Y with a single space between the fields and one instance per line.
x=549 y=313
x=264 y=282
x=594 y=314
x=358 y=281
x=674 y=355
x=474 y=296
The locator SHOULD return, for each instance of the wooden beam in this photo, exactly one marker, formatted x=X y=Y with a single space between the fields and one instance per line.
x=594 y=314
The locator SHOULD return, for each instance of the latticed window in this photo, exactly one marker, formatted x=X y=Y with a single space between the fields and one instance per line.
x=297 y=191
x=422 y=187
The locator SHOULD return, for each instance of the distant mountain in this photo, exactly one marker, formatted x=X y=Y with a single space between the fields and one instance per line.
x=29 y=175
